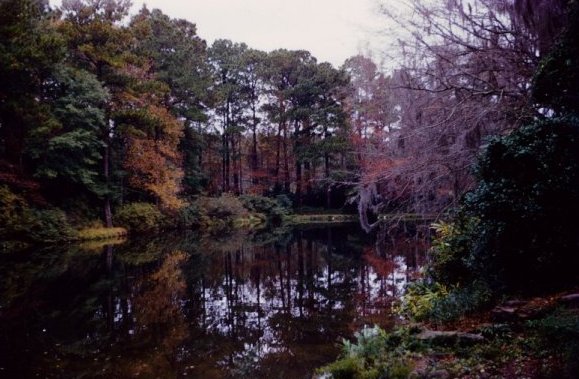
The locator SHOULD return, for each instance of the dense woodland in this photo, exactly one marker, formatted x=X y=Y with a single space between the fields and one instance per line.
x=99 y=109
x=102 y=114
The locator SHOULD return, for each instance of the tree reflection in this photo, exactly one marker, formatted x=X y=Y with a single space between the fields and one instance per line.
x=209 y=307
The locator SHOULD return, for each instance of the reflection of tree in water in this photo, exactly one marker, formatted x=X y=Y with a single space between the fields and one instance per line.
x=241 y=305
x=394 y=260
x=289 y=302
x=159 y=316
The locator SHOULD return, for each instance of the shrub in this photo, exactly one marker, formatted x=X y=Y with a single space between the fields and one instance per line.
x=375 y=354
x=20 y=222
x=100 y=233
x=438 y=303
x=346 y=368
x=225 y=207
x=419 y=300
x=12 y=212
x=48 y=225
x=526 y=204
x=191 y=216
x=274 y=210
x=450 y=250
x=139 y=217
x=516 y=232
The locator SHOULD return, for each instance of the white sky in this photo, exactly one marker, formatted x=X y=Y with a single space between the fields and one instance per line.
x=332 y=30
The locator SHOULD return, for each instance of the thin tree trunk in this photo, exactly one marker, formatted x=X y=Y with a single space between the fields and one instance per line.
x=107 y=200
x=298 y=183
x=286 y=183
x=328 y=184
x=277 y=155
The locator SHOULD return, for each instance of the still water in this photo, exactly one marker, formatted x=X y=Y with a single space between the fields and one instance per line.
x=268 y=305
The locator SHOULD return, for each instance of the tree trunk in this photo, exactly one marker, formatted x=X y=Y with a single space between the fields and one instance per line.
x=328 y=184
x=286 y=182
x=278 y=154
x=106 y=168
x=298 y=183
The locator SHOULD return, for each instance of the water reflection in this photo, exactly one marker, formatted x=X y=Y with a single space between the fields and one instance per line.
x=270 y=306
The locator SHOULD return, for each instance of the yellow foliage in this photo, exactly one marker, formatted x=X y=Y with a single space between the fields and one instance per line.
x=153 y=160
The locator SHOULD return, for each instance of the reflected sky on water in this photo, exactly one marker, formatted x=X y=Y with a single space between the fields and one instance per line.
x=267 y=305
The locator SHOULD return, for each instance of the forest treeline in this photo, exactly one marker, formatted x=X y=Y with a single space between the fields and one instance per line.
x=100 y=110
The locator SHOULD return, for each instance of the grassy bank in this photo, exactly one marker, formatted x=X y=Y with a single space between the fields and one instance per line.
x=297 y=219
x=100 y=233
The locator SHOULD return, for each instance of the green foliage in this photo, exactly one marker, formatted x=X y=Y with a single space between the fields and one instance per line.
x=450 y=248
x=190 y=216
x=274 y=210
x=224 y=207
x=139 y=217
x=526 y=204
x=346 y=368
x=70 y=150
x=12 y=209
x=29 y=48
x=460 y=301
x=48 y=225
x=516 y=232
x=375 y=354
x=561 y=326
x=420 y=300
x=21 y=222
x=556 y=82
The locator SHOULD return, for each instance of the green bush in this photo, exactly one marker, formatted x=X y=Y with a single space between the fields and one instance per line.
x=12 y=212
x=375 y=354
x=517 y=231
x=225 y=207
x=139 y=217
x=450 y=250
x=526 y=203
x=346 y=368
x=558 y=333
x=191 y=216
x=438 y=303
x=20 y=222
x=48 y=225
x=274 y=210
x=420 y=300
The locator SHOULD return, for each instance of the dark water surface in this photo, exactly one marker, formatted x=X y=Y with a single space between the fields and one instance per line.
x=229 y=306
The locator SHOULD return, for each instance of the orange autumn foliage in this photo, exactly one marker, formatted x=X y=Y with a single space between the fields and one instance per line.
x=153 y=160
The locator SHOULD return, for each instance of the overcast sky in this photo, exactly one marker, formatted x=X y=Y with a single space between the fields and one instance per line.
x=332 y=30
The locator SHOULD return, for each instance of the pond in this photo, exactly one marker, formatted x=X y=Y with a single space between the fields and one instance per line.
x=239 y=304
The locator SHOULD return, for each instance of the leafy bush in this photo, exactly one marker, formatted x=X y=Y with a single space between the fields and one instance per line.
x=20 y=222
x=139 y=217
x=225 y=207
x=48 y=225
x=460 y=301
x=527 y=203
x=100 y=233
x=558 y=333
x=374 y=354
x=274 y=210
x=438 y=303
x=346 y=368
x=191 y=216
x=449 y=252
x=420 y=300
x=12 y=210
x=516 y=232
